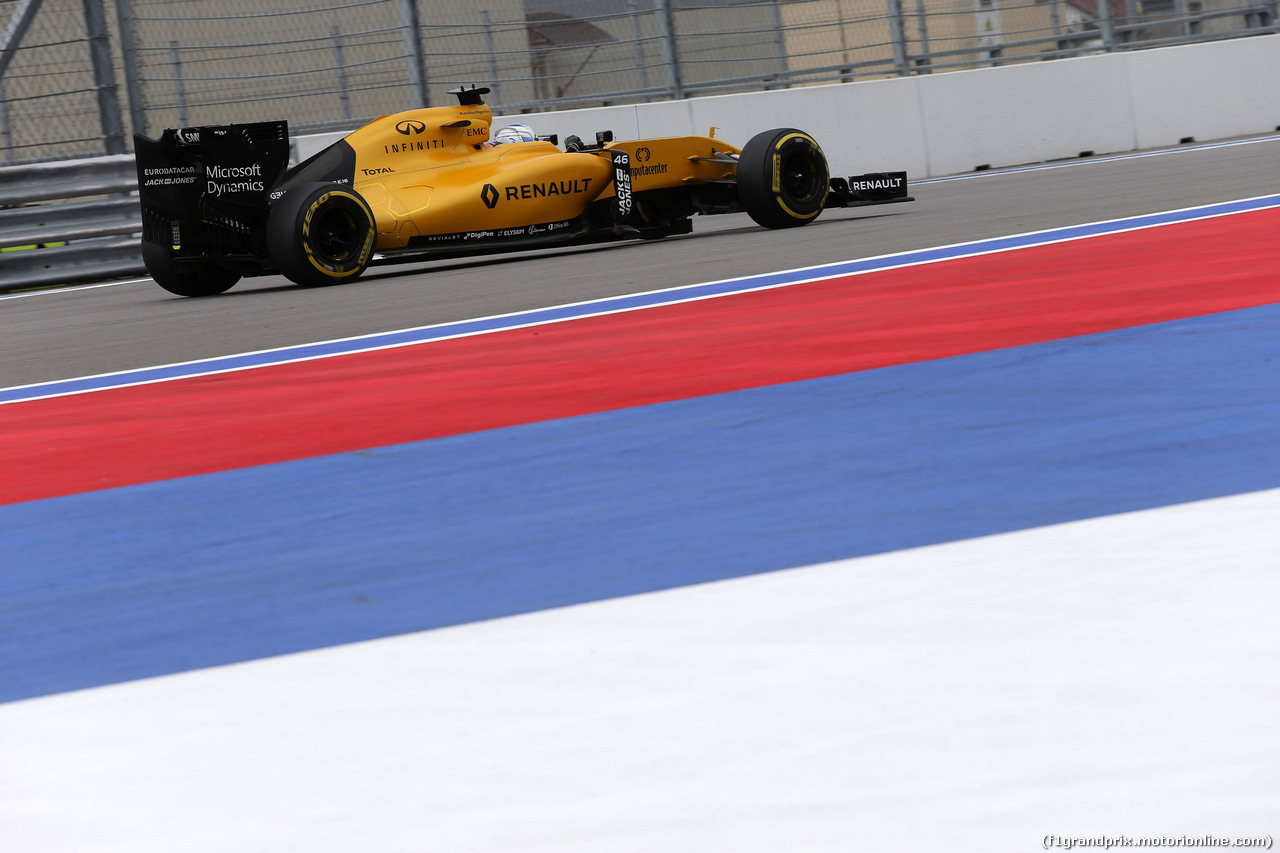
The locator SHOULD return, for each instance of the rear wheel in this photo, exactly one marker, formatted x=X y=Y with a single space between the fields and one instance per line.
x=321 y=234
x=783 y=178
x=190 y=278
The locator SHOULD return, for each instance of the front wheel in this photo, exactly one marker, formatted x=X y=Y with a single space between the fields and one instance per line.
x=190 y=278
x=783 y=178
x=321 y=234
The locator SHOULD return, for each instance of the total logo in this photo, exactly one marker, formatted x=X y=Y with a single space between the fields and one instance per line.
x=411 y=126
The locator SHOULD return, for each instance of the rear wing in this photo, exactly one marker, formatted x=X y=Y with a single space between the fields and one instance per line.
x=204 y=190
x=871 y=188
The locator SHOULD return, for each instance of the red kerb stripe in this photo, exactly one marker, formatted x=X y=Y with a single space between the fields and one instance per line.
x=194 y=426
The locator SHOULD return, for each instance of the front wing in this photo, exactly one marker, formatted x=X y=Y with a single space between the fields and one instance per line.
x=868 y=189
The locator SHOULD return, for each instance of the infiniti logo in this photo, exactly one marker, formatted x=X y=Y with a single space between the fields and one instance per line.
x=408 y=127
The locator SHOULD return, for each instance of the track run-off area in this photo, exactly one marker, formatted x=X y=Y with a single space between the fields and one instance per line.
x=940 y=525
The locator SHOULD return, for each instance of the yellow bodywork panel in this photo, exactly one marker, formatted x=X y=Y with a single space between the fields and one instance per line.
x=676 y=161
x=427 y=172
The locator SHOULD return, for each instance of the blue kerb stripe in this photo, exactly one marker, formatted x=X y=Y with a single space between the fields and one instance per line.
x=243 y=564
x=632 y=302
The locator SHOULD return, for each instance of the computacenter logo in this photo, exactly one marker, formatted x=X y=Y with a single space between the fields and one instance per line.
x=411 y=126
x=643 y=156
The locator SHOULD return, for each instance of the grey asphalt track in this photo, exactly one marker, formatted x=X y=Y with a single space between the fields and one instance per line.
x=85 y=331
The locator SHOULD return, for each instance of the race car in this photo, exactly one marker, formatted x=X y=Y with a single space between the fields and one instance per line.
x=221 y=202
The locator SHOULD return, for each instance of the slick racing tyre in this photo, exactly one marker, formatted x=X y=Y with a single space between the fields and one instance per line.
x=186 y=279
x=321 y=234
x=783 y=178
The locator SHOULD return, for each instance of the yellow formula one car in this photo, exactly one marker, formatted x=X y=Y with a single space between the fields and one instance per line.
x=219 y=203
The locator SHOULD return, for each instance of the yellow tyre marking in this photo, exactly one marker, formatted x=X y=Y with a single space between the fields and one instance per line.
x=777 y=169
x=306 y=232
x=795 y=215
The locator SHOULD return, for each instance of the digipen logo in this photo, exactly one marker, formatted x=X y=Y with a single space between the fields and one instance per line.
x=489 y=195
x=411 y=126
x=643 y=155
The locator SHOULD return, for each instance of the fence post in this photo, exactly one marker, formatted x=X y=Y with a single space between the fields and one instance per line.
x=104 y=76
x=898 y=35
x=1055 y=23
x=670 y=55
x=340 y=66
x=413 y=54
x=6 y=141
x=781 y=38
x=1107 y=21
x=179 y=90
x=925 y=62
x=132 y=75
x=493 y=57
x=641 y=62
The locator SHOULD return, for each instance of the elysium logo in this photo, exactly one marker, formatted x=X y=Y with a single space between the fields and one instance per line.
x=411 y=126
x=489 y=195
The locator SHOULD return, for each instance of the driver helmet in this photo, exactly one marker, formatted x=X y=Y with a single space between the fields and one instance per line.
x=514 y=133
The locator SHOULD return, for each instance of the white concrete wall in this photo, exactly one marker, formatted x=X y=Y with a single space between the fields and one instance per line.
x=873 y=126
x=1212 y=91
x=1026 y=113
x=945 y=124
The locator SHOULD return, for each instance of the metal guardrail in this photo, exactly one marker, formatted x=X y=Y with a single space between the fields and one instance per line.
x=68 y=222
